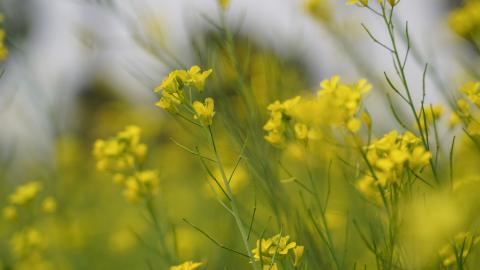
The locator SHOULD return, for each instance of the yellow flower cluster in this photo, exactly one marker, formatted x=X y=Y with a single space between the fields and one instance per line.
x=121 y=152
x=122 y=156
x=280 y=115
x=27 y=243
x=23 y=196
x=25 y=193
x=189 y=265
x=390 y=157
x=27 y=247
x=278 y=246
x=471 y=91
x=465 y=21
x=173 y=94
x=336 y=104
x=461 y=245
x=173 y=86
x=341 y=102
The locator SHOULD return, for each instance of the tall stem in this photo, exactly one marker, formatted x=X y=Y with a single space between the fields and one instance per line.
x=233 y=203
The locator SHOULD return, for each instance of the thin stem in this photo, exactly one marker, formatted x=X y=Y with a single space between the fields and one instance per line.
x=233 y=202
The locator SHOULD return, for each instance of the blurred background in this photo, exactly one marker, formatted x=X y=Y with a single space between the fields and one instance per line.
x=63 y=50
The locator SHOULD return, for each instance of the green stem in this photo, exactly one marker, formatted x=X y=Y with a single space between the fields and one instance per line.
x=233 y=203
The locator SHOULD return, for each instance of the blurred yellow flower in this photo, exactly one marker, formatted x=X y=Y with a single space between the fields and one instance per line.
x=3 y=48
x=49 y=205
x=461 y=247
x=318 y=9
x=189 y=265
x=224 y=4
x=25 y=193
x=10 y=213
x=27 y=241
x=465 y=21
x=298 y=252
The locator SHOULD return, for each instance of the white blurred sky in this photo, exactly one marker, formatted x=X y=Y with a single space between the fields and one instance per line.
x=44 y=73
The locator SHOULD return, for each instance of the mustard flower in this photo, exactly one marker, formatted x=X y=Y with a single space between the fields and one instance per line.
x=276 y=245
x=472 y=91
x=25 y=193
x=465 y=21
x=224 y=3
x=389 y=157
x=121 y=152
x=281 y=114
x=173 y=86
x=298 y=252
x=149 y=180
x=49 y=205
x=197 y=78
x=358 y=2
x=189 y=265
x=318 y=9
x=26 y=241
x=10 y=213
x=204 y=112
x=131 y=190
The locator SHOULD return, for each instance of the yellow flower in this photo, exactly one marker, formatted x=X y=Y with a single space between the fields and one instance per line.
x=3 y=48
x=463 y=241
x=25 y=193
x=390 y=155
x=280 y=114
x=419 y=157
x=132 y=190
x=204 y=111
x=301 y=131
x=178 y=79
x=270 y=267
x=454 y=120
x=224 y=3
x=172 y=87
x=49 y=205
x=318 y=9
x=275 y=138
x=190 y=265
x=359 y=2
x=120 y=152
x=354 y=125
x=298 y=252
x=276 y=245
x=472 y=91
x=10 y=213
x=197 y=78
x=26 y=242
x=465 y=21
x=169 y=101
x=149 y=180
